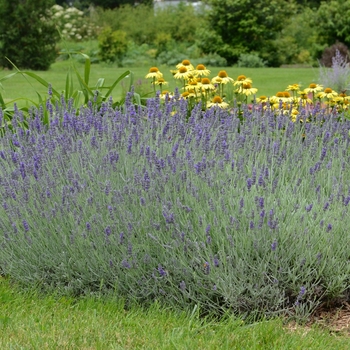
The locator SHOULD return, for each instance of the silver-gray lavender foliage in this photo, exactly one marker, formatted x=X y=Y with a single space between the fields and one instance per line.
x=154 y=203
x=338 y=76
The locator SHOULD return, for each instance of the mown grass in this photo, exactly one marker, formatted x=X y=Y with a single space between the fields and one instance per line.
x=268 y=81
x=29 y=320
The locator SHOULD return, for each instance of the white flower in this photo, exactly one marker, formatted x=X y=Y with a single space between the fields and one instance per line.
x=57 y=8
x=68 y=25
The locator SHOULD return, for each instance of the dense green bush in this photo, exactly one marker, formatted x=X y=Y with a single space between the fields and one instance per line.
x=178 y=22
x=112 y=44
x=250 y=61
x=28 y=34
x=247 y=25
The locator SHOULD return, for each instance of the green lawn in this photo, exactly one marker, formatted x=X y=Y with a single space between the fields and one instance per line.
x=267 y=80
x=32 y=321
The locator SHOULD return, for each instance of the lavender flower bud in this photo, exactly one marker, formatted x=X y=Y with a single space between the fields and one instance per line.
x=308 y=207
x=274 y=245
x=161 y=271
x=25 y=225
x=249 y=183
x=183 y=286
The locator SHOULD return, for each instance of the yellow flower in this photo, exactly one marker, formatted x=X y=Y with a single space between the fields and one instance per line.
x=287 y=96
x=183 y=73
x=293 y=87
x=206 y=84
x=283 y=96
x=328 y=93
x=188 y=94
x=193 y=85
x=166 y=95
x=201 y=70
x=247 y=89
x=154 y=73
x=303 y=99
x=217 y=101
x=185 y=63
x=222 y=78
x=161 y=81
x=313 y=88
x=242 y=79
x=262 y=99
x=294 y=116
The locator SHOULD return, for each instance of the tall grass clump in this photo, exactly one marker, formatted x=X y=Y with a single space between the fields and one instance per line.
x=245 y=217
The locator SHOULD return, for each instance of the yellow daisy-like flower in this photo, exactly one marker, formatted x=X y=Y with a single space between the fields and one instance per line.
x=217 y=101
x=188 y=94
x=247 y=89
x=201 y=70
x=294 y=116
x=185 y=63
x=154 y=73
x=222 y=78
x=242 y=79
x=183 y=73
x=193 y=85
x=293 y=87
x=287 y=96
x=327 y=93
x=206 y=84
x=304 y=99
x=166 y=95
x=280 y=96
x=314 y=88
x=262 y=99
x=161 y=82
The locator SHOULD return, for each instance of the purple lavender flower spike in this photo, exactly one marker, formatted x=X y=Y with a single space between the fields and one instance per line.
x=308 y=207
x=249 y=183
x=25 y=225
x=274 y=245
x=161 y=271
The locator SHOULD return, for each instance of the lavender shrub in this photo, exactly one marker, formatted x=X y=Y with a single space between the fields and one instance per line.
x=151 y=205
x=338 y=76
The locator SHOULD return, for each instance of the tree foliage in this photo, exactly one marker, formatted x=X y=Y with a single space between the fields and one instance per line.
x=249 y=25
x=28 y=37
x=333 y=22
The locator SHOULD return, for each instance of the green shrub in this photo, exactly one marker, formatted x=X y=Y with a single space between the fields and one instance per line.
x=250 y=60
x=112 y=44
x=28 y=34
x=139 y=55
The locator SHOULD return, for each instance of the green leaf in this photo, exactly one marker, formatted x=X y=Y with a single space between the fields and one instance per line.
x=40 y=80
x=87 y=69
x=122 y=76
x=100 y=83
